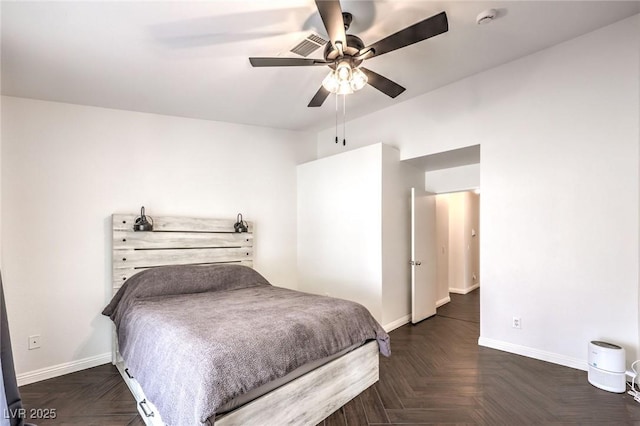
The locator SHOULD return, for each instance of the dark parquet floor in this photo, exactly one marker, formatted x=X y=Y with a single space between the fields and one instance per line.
x=437 y=374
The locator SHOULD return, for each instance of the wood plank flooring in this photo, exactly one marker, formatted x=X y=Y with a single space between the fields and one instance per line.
x=437 y=374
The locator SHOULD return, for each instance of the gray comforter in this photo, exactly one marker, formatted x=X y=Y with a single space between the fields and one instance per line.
x=196 y=337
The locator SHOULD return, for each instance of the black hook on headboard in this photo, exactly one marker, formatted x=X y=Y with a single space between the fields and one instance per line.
x=142 y=223
x=240 y=225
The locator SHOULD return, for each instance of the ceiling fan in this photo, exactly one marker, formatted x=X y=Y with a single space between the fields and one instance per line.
x=344 y=53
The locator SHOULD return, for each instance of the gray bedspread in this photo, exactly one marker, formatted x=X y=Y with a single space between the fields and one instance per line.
x=196 y=337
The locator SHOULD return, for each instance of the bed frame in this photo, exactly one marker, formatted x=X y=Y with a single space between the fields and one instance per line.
x=306 y=400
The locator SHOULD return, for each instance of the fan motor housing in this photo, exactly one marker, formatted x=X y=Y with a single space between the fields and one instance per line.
x=354 y=45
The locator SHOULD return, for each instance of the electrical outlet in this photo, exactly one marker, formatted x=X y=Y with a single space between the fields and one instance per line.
x=517 y=322
x=34 y=341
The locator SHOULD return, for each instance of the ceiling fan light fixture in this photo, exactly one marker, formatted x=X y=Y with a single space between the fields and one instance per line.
x=344 y=88
x=343 y=71
x=344 y=80
x=331 y=82
x=358 y=79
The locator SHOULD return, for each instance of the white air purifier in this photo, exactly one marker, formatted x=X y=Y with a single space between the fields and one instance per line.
x=607 y=366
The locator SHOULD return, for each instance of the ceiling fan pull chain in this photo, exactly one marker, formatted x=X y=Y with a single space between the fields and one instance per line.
x=337 y=118
x=344 y=120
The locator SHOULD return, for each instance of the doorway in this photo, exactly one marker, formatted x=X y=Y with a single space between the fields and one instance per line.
x=458 y=258
x=457 y=240
x=455 y=177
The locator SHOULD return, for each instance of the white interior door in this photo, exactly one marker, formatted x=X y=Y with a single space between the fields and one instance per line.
x=423 y=255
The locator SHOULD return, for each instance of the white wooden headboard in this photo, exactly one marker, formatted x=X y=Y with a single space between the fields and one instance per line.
x=175 y=241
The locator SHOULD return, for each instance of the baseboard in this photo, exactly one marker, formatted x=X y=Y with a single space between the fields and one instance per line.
x=443 y=301
x=397 y=323
x=463 y=290
x=578 y=364
x=62 y=369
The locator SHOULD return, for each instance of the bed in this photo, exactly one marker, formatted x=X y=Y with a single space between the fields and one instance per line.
x=187 y=265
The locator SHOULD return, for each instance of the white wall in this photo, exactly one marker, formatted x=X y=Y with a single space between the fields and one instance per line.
x=397 y=180
x=354 y=228
x=560 y=192
x=339 y=227
x=473 y=227
x=442 y=247
x=67 y=168
x=559 y=203
x=453 y=179
x=458 y=264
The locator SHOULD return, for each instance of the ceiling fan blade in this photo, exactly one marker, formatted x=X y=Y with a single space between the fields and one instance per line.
x=286 y=62
x=331 y=14
x=430 y=27
x=319 y=98
x=382 y=83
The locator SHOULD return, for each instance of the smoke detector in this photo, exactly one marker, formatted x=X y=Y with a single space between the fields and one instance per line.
x=486 y=16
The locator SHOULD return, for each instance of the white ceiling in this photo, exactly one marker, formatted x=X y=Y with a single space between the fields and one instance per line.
x=190 y=58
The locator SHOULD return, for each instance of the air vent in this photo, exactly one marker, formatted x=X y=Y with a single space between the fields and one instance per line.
x=309 y=45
